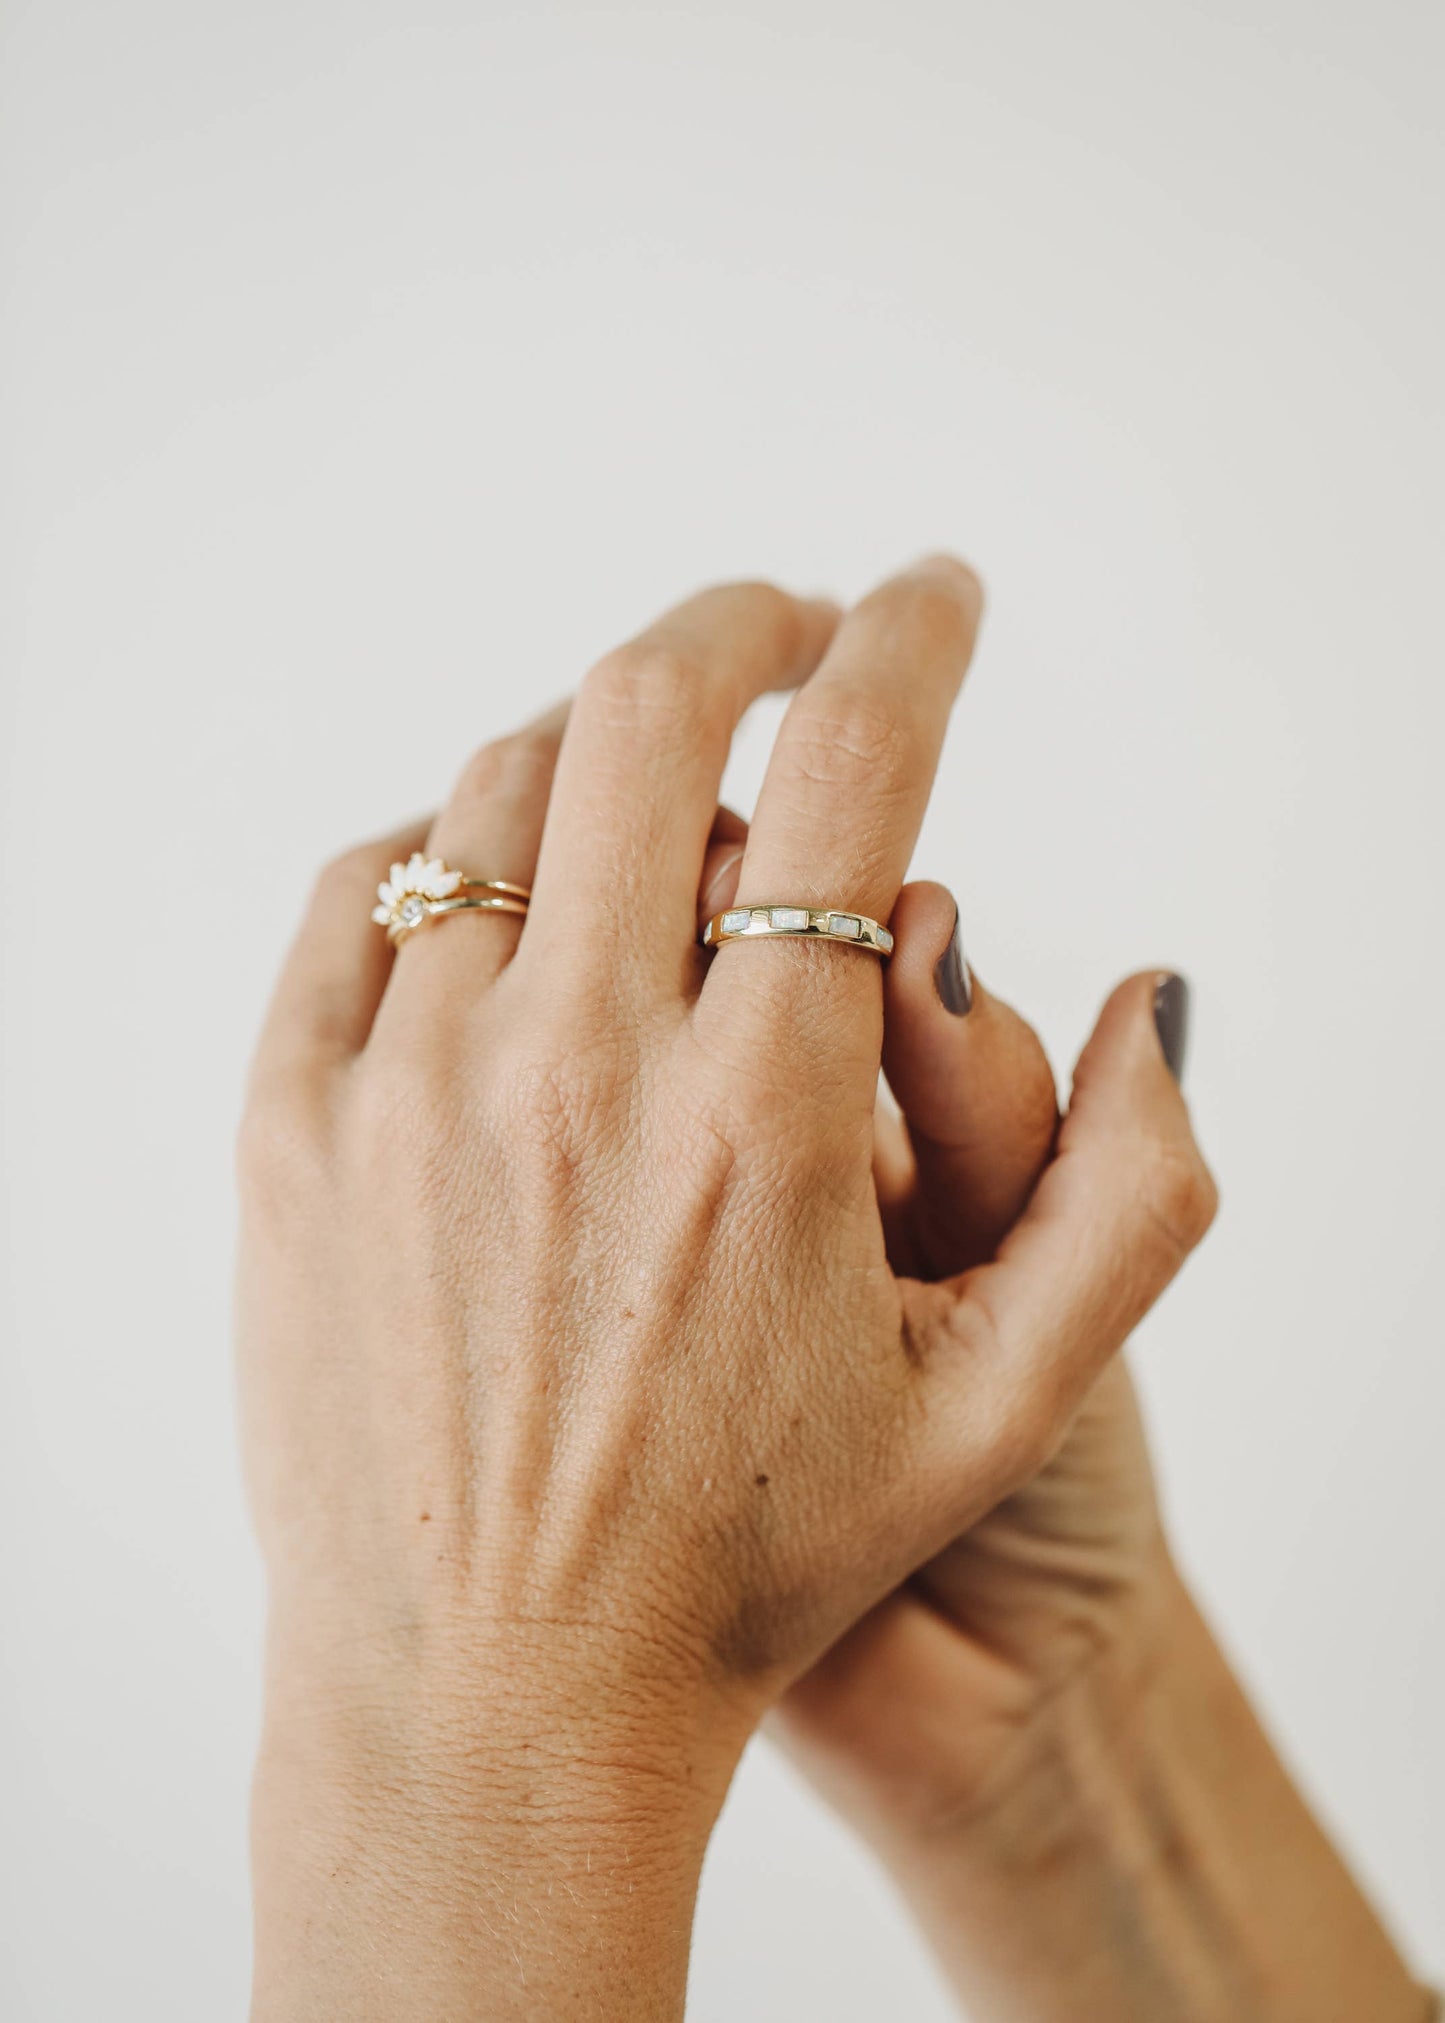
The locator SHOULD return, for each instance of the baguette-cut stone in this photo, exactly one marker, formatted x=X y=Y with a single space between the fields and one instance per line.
x=846 y=924
x=885 y=941
x=735 y=923
x=788 y=919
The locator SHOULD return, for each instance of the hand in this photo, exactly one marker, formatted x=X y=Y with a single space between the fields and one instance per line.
x=926 y=1711
x=551 y=1248
x=1037 y=1732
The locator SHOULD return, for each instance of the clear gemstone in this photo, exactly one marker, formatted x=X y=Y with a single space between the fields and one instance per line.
x=846 y=924
x=788 y=919
x=411 y=912
x=736 y=923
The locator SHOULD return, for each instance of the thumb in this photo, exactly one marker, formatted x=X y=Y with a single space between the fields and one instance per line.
x=974 y=1086
x=1123 y=1202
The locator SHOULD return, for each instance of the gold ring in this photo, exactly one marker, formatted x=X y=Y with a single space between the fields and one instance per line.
x=424 y=888
x=802 y=923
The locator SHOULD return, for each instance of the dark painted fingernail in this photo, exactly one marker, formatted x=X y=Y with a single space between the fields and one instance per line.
x=953 y=976
x=1171 y=1022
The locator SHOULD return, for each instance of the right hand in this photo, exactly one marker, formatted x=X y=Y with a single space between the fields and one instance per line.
x=585 y=1408
x=924 y=1710
x=1037 y=1731
x=932 y=1707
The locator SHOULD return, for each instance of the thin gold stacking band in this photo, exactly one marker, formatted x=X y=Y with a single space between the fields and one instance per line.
x=424 y=888
x=801 y=923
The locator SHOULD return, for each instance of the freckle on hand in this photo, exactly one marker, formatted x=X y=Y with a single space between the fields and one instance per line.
x=761 y=1480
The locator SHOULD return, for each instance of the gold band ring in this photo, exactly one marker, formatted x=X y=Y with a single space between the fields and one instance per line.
x=801 y=923
x=425 y=887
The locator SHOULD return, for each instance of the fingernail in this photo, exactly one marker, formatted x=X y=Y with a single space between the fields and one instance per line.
x=952 y=976
x=1171 y=1021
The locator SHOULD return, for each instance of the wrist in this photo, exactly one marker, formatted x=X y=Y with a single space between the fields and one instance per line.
x=1097 y=1747
x=501 y=1835
x=502 y=1698
x=1148 y=1856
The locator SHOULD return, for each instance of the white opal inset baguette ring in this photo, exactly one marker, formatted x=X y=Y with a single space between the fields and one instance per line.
x=425 y=887
x=806 y=923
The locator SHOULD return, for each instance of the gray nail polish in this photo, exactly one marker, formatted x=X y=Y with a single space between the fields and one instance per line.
x=1171 y=1022
x=952 y=976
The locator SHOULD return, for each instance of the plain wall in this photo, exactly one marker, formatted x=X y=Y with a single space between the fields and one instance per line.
x=366 y=371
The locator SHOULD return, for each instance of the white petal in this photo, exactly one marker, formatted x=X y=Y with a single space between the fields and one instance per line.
x=386 y=893
x=381 y=915
x=398 y=877
x=416 y=868
x=444 y=884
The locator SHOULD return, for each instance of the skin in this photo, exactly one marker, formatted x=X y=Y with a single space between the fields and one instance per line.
x=601 y=1366
x=1035 y=1731
x=1038 y=1733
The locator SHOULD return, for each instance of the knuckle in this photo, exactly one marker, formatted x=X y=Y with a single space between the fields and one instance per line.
x=551 y=1103
x=1178 y=1195
x=1032 y=1430
x=402 y=1104
x=1016 y=1443
x=348 y=871
x=777 y=616
x=406 y=1136
x=279 y=1144
x=644 y=682
x=1021 y=1406
x=853 y=745
x=525 y=759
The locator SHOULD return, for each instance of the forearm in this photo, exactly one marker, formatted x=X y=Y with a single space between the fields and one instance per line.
x=445 y=1869
x=1155 y=1863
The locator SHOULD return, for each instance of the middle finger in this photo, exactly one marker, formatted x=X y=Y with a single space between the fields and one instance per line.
x=846 y=790
x=637 y=782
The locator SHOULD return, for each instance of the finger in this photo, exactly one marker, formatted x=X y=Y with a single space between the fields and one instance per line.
x=1017 y=1342
x=974 y=1086
x=490 y=828
x=895 y=1172
x=895 y=1180
x=846 y=789
x=638 y=776
x=979 y=1111
x=720 y=863
x=333 y=978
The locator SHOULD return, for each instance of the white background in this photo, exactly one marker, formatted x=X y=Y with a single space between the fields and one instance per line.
x=365 y=372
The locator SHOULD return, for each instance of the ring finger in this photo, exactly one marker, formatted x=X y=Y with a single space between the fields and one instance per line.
x=490 y=828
